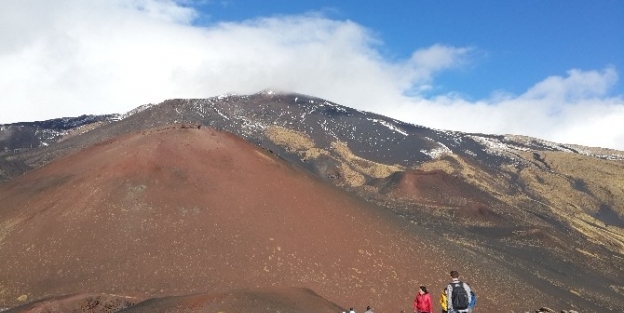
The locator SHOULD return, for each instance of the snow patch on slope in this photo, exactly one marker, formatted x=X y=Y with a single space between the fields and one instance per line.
x=134 y=111
x=388 y=125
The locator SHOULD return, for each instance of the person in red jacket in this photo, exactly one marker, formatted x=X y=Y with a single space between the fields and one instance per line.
x=422 y=303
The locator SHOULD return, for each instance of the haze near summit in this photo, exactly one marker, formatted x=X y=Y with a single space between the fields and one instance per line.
x=547 y=70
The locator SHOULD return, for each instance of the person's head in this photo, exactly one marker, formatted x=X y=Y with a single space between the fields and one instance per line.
x=368 y=308
x=454 y=274
x=423 y=290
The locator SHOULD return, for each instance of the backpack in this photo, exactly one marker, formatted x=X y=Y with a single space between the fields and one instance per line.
x=473 y=299
x=459 y=296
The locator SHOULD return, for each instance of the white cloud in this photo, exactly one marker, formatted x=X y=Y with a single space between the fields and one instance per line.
x=71 y=57
x=570 y=109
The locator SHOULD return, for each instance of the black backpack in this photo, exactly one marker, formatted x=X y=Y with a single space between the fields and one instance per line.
x=459 y=297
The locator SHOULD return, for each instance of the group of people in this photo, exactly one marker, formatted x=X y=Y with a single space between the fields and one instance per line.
x=457 y=297
x=368 y=310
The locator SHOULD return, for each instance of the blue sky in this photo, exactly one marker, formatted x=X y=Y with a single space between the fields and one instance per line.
x=546 y=69
x=516 y=43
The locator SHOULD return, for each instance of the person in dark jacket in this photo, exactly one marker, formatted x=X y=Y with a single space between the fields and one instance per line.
x=462 y=292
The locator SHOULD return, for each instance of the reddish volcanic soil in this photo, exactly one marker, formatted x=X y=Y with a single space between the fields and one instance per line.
x=268 y=300
x=180 y=211
x=438 y=188
x=92 y=303
x=246 y=300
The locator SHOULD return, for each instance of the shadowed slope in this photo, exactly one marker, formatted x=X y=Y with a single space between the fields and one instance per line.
x=81 y=303
x=244 y=300
x=176 y=211
x=247 y=300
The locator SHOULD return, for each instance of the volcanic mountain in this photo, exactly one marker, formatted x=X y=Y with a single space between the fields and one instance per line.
x=179 y=210
x=509 y=212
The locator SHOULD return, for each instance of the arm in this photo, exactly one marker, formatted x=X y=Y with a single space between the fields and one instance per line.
x=467 y=288
x=449 y=297
x=416 y=302
x=428 y=304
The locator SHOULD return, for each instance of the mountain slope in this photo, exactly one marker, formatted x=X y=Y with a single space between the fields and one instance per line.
x=552 y=213
x=179 y=210
x=243 y=300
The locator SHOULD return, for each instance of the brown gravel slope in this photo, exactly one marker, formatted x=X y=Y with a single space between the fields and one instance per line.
x=180 y=210
x=243 y=300
x=269 y=300
x=80 y=303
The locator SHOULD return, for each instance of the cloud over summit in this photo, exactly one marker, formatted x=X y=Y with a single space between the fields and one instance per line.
x=71 y=57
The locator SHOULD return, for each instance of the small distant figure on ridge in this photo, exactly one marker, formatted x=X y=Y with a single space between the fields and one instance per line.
x=458 y=295
x=368 y=309
x=443 y=301
x=422 y=302
x=351 y=310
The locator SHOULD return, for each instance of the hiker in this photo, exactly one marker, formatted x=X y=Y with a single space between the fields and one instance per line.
x=458 y=295
x=351 y=310
x=443 y=301
x=368 y=310
x=422 y=302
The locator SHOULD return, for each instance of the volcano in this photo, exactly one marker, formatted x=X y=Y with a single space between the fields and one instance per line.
x=243 y=194
x=187 y=209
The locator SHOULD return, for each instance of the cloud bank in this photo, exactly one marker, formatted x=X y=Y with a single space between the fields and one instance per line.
x=74 y=57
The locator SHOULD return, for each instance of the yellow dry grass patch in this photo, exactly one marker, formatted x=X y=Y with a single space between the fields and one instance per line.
x=370 y=168
x=618 y=289
x=352 y=167
x=603 y=178
x=454 y=165
x=576 y=181
x=587 y=253
x=290 y=139
x=611 y=238
x=80 y=130
x=572 y=187
x=575 y=187
x=313 y=153
x=440 y=165
x=294 y=141
x=352 y=178
x=6 y=227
